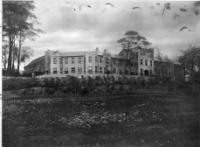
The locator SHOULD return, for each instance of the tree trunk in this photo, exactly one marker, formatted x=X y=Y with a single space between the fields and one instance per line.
x=5 y=62
x=10 y=53
x=13 y=57
x=19 y=52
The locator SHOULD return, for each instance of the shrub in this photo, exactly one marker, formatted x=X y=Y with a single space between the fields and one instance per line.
x=19 y=83
x=49 y=91
x=99 y=80
x=84 y=90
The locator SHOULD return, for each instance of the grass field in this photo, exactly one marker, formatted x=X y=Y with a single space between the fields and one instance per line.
x=147 y=118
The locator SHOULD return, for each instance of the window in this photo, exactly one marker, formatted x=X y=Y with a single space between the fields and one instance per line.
x=79 y=60
x=141 y=61
x=61 y=60
x=141 y=72
x=66 y=71
x=73 y=70
x=105 y=70
x=114 y=70
x=79 y=70
x=61 y=70
x=120 y=63
x=54 y=70
x=146 y=62
x=114 y=62
x=107 y=60
x=96 y=59
x=90 y=70
x=117 y=62
x=96 y=69
x=100 y=59
x=73 y=60
x=90 y=59
x=151 y=73
x=66 y=60
x=150 y=63
x=54 y=61
x=100 y=69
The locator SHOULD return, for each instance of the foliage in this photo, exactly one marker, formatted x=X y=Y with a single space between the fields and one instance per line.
x=87 y=120
x=190 y=60
x=19 y=83
x=18 y=24
x=98 y=86
x=4 y=55
x=133 y=39
x=26 y=53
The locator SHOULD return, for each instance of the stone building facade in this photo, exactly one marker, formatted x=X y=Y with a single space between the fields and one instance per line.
x=168 y=70
x=131 y=62
x=94 y=63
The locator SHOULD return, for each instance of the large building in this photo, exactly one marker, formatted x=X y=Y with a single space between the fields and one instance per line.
x=168 y=70
x=135 y=62
x=127 y=62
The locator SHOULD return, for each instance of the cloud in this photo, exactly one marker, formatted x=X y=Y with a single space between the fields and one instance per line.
x=101 y=25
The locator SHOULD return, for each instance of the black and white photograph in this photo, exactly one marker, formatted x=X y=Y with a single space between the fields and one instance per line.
x=100 y=73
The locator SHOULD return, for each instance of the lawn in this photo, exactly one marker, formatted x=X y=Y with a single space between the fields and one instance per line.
x=147 y=118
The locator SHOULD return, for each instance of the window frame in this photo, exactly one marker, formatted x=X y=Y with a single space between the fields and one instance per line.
x=141 y=61
x=55 y=71
x=146 y=62
x=66 y=71
x=54 y=60
x=90 y=59
x=73 y=60
x=73 y=70
x=66 y=60
x=80 y=69
x=79 y=60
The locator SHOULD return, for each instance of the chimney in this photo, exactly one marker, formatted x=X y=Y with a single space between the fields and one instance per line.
x=97 y=49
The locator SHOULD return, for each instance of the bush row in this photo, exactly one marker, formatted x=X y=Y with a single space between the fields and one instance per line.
x=84 y=85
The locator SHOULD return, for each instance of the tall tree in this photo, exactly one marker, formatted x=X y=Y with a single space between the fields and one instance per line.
x=14 y=57
x=10 y=20
x=4 y=56
x=18 y=24
x=190 y=60
x=27 y=52
x=133 y=39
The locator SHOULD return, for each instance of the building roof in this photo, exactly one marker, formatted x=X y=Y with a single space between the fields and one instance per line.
x=117 y=57
x=72 y=53
x=35 y=61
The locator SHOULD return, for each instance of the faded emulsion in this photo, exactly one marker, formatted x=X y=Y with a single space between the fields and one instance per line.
x=101 y=73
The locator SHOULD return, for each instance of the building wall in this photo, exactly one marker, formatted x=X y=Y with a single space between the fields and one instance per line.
x=71 y=65
x=93 y=63
x=37 y=65
x=90 y=63
x=179 y=73
x=145 y=62
x=169 y=70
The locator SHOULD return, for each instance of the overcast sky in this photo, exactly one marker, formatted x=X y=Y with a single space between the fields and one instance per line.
x=72 y=25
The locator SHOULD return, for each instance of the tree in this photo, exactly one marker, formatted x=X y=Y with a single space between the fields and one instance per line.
x=190 y=60
x=14 y=57
x=18 y=24
x=27 y=52
x=4 y=56
x=133 y=39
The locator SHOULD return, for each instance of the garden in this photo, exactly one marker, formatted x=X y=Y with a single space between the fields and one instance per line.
x=124 y=113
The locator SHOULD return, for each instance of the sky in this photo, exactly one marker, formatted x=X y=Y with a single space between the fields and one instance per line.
x=83 y=25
